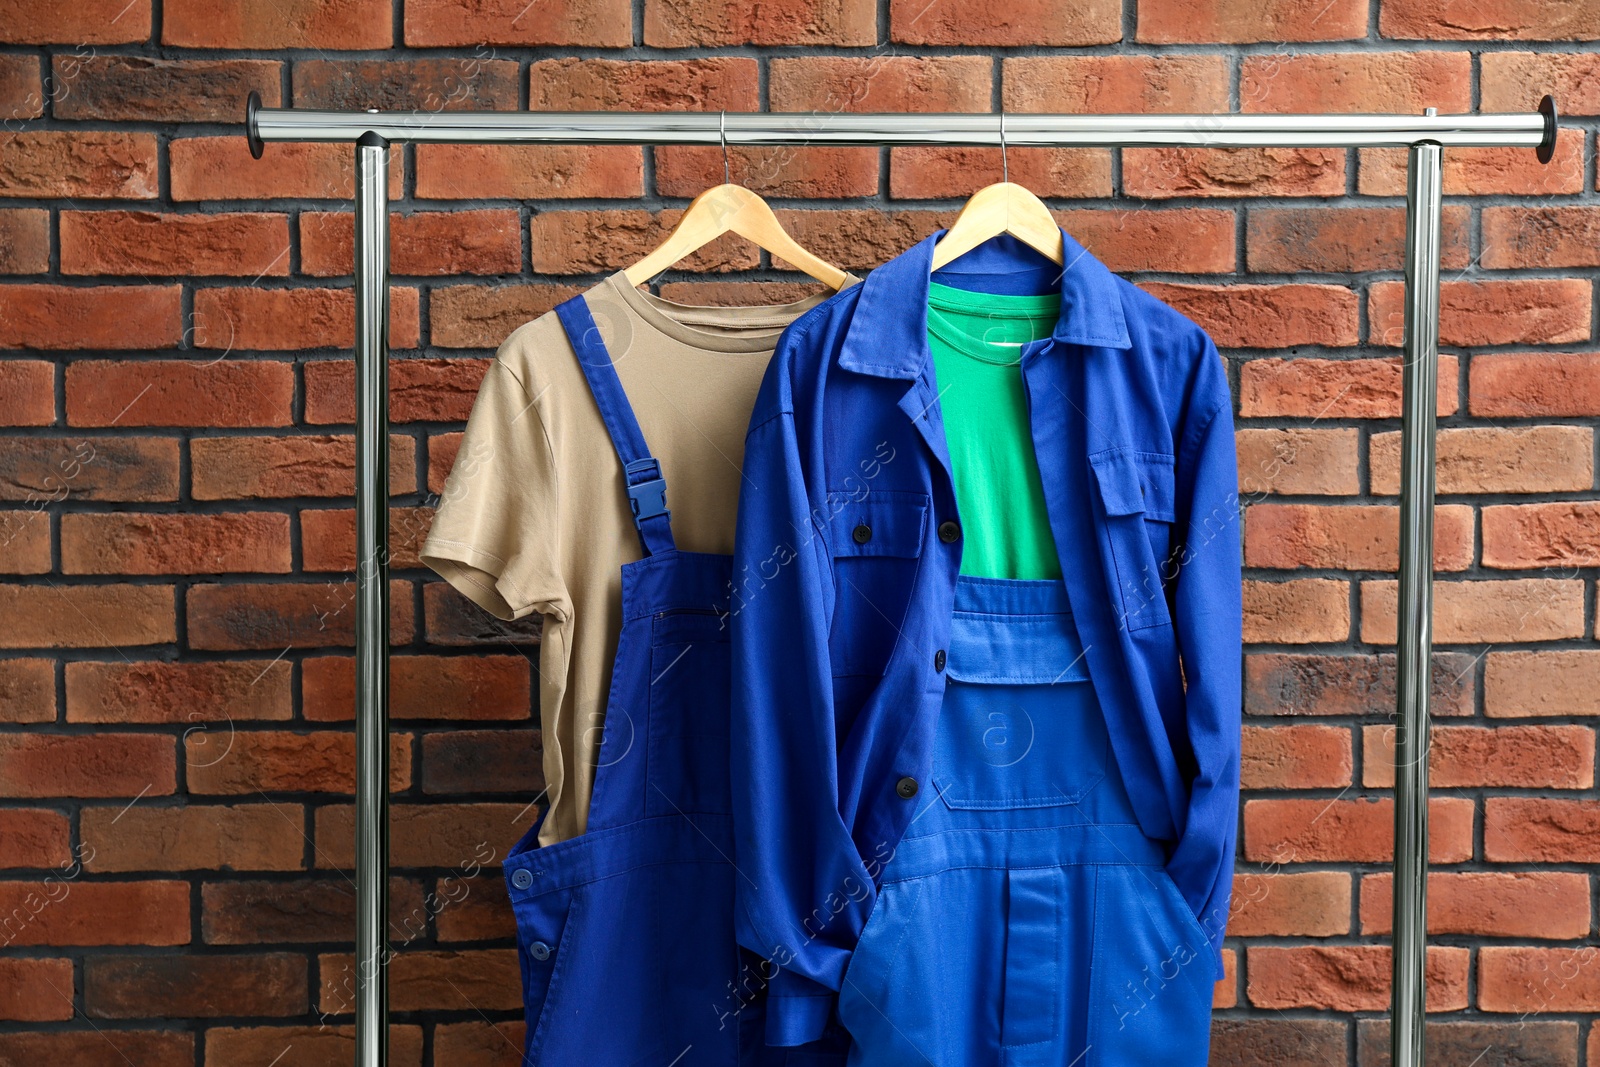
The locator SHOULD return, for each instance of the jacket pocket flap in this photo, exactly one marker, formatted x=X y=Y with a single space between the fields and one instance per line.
x=1132 y=482
x=883 y=522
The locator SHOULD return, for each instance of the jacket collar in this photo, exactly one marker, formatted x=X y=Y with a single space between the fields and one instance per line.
x=888 y=335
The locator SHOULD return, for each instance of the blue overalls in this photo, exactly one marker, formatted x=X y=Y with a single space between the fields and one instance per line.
x=625 y=933
x=1025 y=919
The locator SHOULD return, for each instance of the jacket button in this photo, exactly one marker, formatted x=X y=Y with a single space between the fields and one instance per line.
x=949 y=531
x=539 y=950
x=862 y=534
x=521 y=878
x=906 y=787
x=938 y=660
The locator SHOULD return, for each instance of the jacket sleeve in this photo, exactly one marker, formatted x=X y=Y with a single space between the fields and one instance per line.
x=1208 y=617
x=802 y=891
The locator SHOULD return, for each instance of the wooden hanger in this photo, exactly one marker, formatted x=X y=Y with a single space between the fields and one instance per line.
x=1004 y=207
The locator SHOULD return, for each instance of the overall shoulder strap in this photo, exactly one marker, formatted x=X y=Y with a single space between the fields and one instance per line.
x=647 y=489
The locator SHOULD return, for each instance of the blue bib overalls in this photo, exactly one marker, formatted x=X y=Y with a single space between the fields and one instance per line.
x=625 y=933
x=1025 y=919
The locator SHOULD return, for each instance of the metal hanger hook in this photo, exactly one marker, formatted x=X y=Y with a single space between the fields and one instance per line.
x=1005 y=166
x=722 y=131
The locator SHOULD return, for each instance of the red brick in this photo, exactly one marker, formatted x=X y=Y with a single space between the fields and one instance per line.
x=40 y=469
x=1495 y=459
x=88 y=23
x=447 y=83
x=283 y=615
x=87 y=765
x=291 y=319
x=1342 y=684
x=183 y=393
x=592 y=23
x=480 y=909
x=87 y=1048
x=138 y=987
x=478 y=688
x=1348 y=977
x=85 y=616
x=818 y=172
x=945 y=173
x=240 y=467
x=187 y=693
x=34 y=837
x=1538 y=904
x=1316 y=462
x=435 y=834
x=27 y=392
x=1529 y=829
x=1517 y=684
x=328 y=538
x=835 y=84
x=21 y=90
x=1514 y=978
x=854 y=238
x=482 y=316
x=1482 y=612
x=1186 y=240
x=1389 y=82
x=1180 y=21
x=717 y=83
x=144 y=243
x=1030 y=22
x=476 y=1042
x=473 y=761
x=1295 y=757
x=305 y=909
x=82 y=164
x=479 y=980
x=453 y=620
x=279 y=761
x=110 y=316
x=1515 y=81
x=116 y=88
x=221 y=168
x=54 y=912
x=1517 y=311
x=246 y=837
x=421 y=243
x=686 y=24
x=124 y=543
x=1332 y=830
x=1532 y=757
x=1534 y=383
x=27 y=690
x=1565 y=534
x=1482 y=171
x=528 y=172
x=1266 y=316
x=35 y=991
x=1541 y=237
x=25 y=537
x=591 y=242
x=1156 y=173
x=1303 y=611
x=1275 y=904
x=1310 y=388
x=1345 y=537
x=1115 y=84
x=228 y=1046
x=1514 y=20
x=1348 y=240
x=24 y=241
x=420 y=390
x=263 y=24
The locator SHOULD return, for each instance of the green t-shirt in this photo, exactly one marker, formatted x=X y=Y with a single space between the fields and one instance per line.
x=975 y=339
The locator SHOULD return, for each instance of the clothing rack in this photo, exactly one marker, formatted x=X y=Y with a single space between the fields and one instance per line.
x=1425 y=136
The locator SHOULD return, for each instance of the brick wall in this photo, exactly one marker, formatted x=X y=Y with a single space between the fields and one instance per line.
x=176 y=755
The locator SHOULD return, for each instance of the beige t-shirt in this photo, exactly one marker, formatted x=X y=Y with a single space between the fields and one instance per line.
x=535 y=517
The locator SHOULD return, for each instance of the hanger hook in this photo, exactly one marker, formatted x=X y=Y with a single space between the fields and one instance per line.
x=722 y=131
x=1005 y=167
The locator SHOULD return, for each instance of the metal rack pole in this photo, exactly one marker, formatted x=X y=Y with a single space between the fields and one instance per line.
x=1425 y=136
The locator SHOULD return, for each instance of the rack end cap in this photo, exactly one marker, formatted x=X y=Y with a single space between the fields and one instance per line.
x=252 y=134
x=1547 y=147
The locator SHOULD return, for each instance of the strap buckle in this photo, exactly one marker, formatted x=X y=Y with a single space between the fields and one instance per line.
x=647 y=497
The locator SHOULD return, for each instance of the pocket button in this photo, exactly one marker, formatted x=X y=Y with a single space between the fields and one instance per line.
x=539 y=951
x=521 y=878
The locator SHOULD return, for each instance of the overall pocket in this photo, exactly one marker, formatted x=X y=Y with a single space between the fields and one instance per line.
x=1136 y=490
x=690 y=679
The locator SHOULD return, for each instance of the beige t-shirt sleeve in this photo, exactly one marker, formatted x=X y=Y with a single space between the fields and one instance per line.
x=495 y=534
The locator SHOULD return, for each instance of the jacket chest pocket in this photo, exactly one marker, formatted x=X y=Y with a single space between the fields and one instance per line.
x=1136 y=491
x=876 y=542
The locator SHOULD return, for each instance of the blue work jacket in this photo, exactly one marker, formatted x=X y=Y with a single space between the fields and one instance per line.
x=838 y=639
